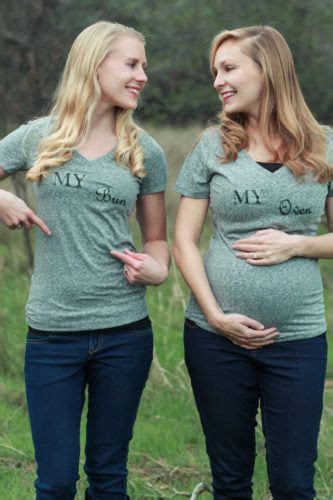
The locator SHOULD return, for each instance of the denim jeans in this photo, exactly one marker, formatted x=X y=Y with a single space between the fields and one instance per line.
x=287 y=378
x=114 y=363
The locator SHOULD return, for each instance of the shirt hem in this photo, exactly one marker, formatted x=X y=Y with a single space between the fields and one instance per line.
x=190 y=194
x=283 y=337
x=84 y=326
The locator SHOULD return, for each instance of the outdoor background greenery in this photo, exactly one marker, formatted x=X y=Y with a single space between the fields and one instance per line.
x=167 y=456
x=35 y=36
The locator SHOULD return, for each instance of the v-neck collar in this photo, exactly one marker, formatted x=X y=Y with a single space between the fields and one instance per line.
x=99 y=158
x=249 y=160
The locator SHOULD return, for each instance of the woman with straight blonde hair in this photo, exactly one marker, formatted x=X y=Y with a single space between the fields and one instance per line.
x=255 y=325
x=88 y=323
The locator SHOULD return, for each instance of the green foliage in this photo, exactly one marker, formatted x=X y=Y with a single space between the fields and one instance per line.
x=37 y=36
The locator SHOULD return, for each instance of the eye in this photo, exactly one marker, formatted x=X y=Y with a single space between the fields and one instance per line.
x=229 y=68
x=131 y=64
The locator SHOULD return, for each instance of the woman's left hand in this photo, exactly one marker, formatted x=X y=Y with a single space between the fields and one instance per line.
x=266 y=247
x=141 y=268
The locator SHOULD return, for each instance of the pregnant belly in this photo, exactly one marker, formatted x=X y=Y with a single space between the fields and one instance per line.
x=275 y=295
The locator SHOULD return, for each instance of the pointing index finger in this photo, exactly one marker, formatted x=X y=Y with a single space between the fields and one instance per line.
x=40 y=223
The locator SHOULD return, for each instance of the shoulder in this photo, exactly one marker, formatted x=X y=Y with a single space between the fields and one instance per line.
x=31 y=128
x=39 y=126
x=150 y=146
x=194 y=178
x=19 y=148
x=328 y=131
x=36 y=130
x=27 y=136
x=209 y=141
x=208 y=145
x=210 y=135
x=154 y=163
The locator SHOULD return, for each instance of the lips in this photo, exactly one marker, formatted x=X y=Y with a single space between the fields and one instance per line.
x=228 y=95
x=135 y=91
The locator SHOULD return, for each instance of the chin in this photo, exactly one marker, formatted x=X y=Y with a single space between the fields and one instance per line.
x=129 y=106
x=232 y=110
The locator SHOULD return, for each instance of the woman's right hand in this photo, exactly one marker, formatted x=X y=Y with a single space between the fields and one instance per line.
x=15 y=213
x=243 y=331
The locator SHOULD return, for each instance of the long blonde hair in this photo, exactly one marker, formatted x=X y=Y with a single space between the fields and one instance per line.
x=282 y=110
x=76 y=98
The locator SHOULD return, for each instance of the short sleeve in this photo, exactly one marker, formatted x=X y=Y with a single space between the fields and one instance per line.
x=155 y=165
x=13 y=154
x=194 y=178
x=19 y=149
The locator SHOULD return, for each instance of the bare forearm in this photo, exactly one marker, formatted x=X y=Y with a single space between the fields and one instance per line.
x=3 y=195
x=271 y=246
x=6 y=199
x=315 y=247
x=189 y=261
x=159 y=251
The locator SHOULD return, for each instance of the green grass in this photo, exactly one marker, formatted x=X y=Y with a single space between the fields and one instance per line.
x=167 y=457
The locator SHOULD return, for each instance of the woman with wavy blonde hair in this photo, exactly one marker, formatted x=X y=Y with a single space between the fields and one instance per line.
x=87 y=318
x=255 y=329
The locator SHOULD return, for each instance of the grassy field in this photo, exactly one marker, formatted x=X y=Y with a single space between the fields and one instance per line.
x=167 y=457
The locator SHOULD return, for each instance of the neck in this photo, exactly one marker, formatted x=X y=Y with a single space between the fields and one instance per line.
x=254 y=133
x=103 y=119
x=257 y=138
x=253 y=126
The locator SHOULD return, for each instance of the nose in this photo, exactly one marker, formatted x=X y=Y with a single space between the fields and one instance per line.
x=219 y=81
x=141 y=76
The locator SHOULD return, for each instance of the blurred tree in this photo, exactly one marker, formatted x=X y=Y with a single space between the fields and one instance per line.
x=35 y=36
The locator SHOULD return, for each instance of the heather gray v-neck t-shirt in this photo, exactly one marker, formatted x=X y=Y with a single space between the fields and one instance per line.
x=244 y=198
x=77 y=284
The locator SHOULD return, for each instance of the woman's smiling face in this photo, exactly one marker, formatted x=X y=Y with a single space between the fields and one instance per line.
x=239 y=81
x=121 y=75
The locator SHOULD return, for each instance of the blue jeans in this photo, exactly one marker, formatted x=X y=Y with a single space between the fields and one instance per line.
x=228 y=383
x=114 y=363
